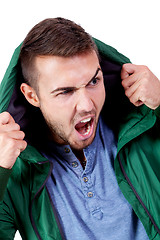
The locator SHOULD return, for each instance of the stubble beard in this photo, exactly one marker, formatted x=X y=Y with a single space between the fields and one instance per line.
x=57 y=134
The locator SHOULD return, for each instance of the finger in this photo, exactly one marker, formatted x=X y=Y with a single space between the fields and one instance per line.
x=9 y=127
x=22 y=144
x=135 y=98
x=17 y=135
x=130 y=90
x=138 y=103
x=18 y=145
x=14 y=135
x=128 y=82
x=6 y=118
x=127 y=70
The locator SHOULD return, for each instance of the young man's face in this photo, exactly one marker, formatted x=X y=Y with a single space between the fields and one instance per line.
x=71 y=96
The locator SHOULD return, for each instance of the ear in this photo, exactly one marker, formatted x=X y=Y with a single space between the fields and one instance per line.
x=30 y=94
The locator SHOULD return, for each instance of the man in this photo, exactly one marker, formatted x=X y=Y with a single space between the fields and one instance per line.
x=63 y=109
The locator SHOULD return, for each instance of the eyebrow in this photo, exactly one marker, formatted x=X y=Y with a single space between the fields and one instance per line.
x=73 y=88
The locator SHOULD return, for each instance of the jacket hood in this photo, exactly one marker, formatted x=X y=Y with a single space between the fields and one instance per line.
x=30 y=118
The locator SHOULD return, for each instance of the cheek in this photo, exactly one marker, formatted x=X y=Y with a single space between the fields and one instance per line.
x=99 y=98
x=60 y=114
x=103 y=94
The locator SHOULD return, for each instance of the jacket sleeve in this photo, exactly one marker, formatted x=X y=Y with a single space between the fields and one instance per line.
x=4 y=177
x=157 y=112
x=7 y=225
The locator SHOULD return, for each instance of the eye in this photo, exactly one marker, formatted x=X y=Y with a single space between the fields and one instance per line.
x=94 y=81
x=65 y=92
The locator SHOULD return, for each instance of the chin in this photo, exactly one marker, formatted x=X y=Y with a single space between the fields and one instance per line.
x=82 y=144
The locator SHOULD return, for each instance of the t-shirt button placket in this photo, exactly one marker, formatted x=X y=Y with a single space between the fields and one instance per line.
x=85 y=179
x=74 y=164
x=90 y=194
x=67 y=150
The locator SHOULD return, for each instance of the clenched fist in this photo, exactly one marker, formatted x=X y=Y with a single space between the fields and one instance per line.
x=11 y=140
x=141 y=85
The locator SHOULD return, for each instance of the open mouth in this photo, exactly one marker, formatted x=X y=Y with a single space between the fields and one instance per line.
x=85 y=127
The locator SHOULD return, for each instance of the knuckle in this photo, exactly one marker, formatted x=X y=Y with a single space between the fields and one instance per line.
x=25 y=144
x=123 y=67
x=5 y=115
x=127 y=93
x=145 y=68
x=5 y=118
x=123 y=83
x=22 y=134
x=131 y=100
x=146 y=71
x=16 y=126
x=17 y=152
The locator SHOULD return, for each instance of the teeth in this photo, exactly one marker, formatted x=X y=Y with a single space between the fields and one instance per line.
x=88 y=130
x=86 y=120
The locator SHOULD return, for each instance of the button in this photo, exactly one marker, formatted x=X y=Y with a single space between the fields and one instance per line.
x=67 y=150
x=74 y=164
x=90 y=194
x=85 y=179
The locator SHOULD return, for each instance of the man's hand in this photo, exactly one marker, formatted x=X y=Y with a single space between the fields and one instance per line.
x=11 y=140
x=141 y=85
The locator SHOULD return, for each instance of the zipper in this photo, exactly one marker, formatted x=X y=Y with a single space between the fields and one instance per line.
x=137 y=195
x=37 y=193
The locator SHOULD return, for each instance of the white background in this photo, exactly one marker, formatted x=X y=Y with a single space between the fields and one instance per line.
x=132 y=27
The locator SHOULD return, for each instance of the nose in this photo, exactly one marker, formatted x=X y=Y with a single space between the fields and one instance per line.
x=84 y=102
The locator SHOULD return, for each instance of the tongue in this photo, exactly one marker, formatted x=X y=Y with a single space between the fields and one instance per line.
x=81 y=127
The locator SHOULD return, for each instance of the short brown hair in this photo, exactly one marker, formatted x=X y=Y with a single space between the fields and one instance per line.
x=52 y=37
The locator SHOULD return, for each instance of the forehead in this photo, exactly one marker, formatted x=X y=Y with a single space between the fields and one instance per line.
x=56 y=71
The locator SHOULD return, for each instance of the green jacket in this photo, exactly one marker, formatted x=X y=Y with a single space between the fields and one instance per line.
x=24 y=201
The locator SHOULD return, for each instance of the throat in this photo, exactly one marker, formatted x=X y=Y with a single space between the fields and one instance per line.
x=81 y=157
